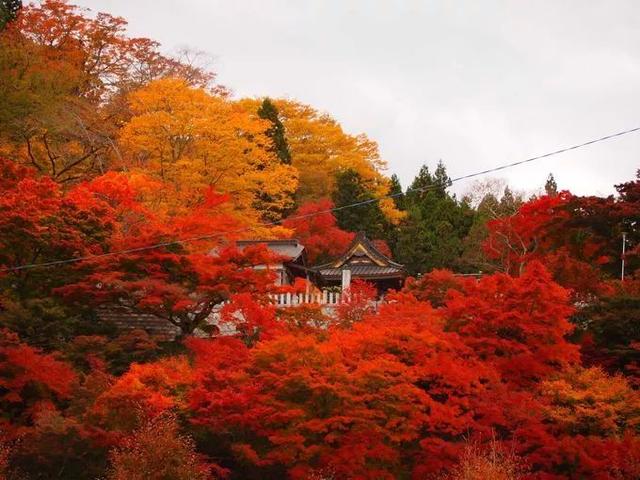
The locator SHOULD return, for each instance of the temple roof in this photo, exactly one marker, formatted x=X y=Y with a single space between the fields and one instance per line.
x=364 y=260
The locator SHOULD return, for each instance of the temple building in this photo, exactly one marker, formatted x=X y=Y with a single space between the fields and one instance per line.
x=325 y=283
x=362 y=260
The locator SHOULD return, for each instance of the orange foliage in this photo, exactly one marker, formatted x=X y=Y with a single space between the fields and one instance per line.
x=589 y=402
x=64 y=75
x=158 y=451
x=144 y=392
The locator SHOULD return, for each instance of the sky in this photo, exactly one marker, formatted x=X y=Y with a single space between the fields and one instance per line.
x=475 y=84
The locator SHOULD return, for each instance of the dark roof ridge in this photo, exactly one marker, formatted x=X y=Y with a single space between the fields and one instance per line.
x=360 y=237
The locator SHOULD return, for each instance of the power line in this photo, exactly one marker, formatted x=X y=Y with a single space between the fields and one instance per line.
x=322 y=212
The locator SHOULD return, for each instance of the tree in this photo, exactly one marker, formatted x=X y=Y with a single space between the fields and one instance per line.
x=307 y=403
x=520 y=323
x=366 y=217
x=431 y=234
x=63 y=77
x=320 y=149
x=41 y=223
x=170 y=283
x=158 y=451
x=578 y=238
x=31 y=382
x=610 y=335
x=144 y=393
x=192 y=141
x=169 y=280
x=357 y=303
x=9 y=11
x=280 y=149
x=275 y=132
x=495 y=462
x=589 y=402
x=550 y=186
x=395 y=189
x=317 y=229
x=492 y=200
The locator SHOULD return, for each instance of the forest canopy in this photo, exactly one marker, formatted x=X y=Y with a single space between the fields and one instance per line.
x=128 y=175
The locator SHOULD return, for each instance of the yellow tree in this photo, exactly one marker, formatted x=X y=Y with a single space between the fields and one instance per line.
x=63 y=74
x=192 y=141
x=320 y=149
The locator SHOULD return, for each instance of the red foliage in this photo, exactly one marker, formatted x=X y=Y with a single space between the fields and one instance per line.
x=251 y=319
x=39 y=222
x=434 y=286
x=169 y=281
x=30 y=382
x=313 y=403
x=518 y=324
x=320 y=234
x=517 y=239
x=144 y=392
x=577 y=238
x=357 y=301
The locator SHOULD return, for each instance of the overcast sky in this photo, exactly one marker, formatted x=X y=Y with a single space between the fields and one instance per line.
x=474 y=83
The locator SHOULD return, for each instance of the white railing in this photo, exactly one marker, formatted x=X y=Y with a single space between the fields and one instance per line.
x=293 y=299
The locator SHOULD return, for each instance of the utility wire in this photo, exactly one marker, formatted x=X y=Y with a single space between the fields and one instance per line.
x=321 y=212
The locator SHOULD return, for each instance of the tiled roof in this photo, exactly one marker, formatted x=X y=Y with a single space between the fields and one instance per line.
x=364 y=260
x=125 y=319
x=363 y=271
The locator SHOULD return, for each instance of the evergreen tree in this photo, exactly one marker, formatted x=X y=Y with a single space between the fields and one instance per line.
x=366 y=218
x=395 y=189
x=420 y=185
x=280 y=148
x=509 y=203
x=8 y=11
x=441 y=180
x=551 y=187
x=268 y=111
x=431 y=235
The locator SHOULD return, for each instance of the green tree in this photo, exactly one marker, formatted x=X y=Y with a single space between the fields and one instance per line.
x=276 y=132
x=395 y=189
x=9 y=11
x=550 y=186
x=368 y=217
x=431 y=235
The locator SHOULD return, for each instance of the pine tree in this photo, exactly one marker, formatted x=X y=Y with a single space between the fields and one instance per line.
x=395 y=189
x=441 y=180
x=276 y=132
x=8 y=11
x=367 y=218
x=551 y=187
x=420 y=185
x=431 y=235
